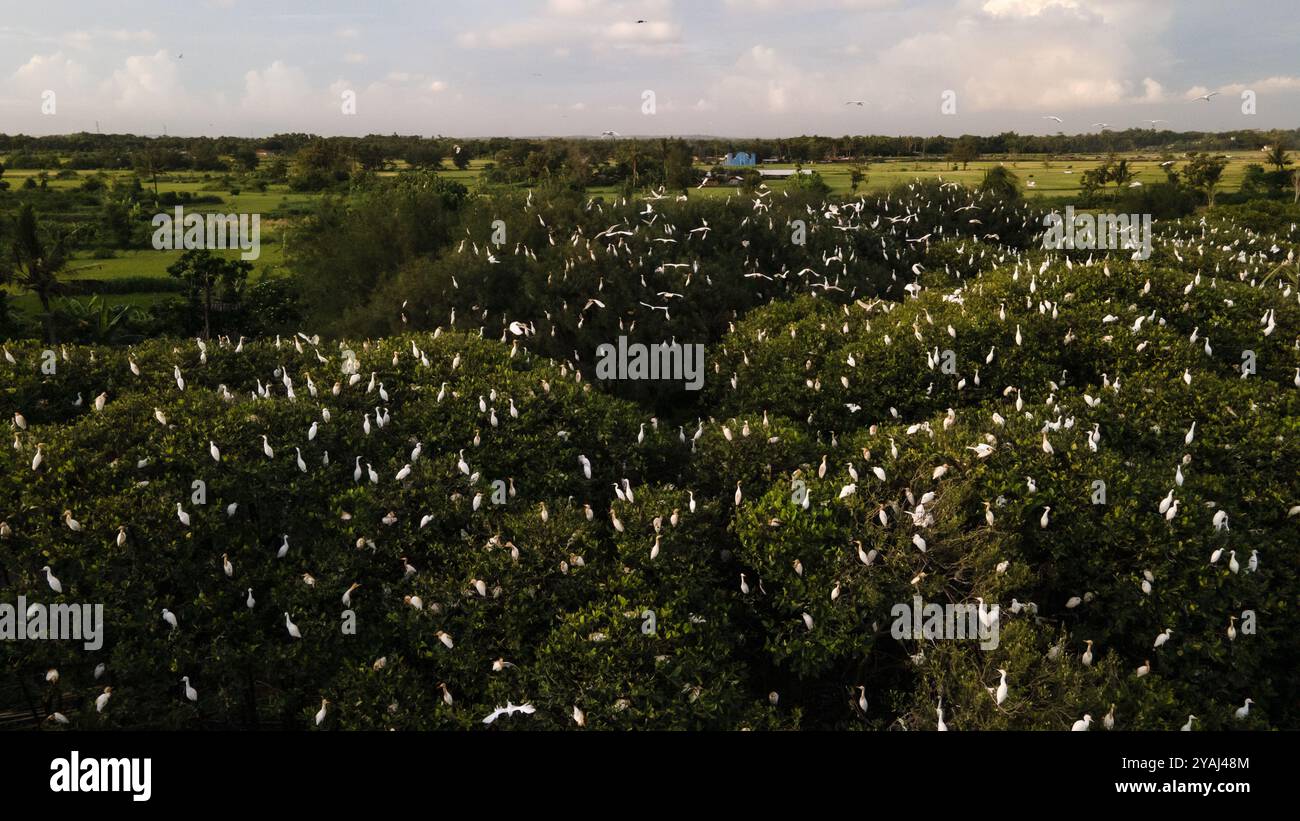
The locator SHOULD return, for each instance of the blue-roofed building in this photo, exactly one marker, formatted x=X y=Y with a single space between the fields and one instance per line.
x=739 y=158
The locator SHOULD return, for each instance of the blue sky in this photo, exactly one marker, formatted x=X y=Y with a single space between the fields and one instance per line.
x=725 y=67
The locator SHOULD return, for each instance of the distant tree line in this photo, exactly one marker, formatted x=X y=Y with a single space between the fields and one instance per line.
x=377 y=151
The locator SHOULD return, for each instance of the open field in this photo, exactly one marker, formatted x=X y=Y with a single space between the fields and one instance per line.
x=1055 y=178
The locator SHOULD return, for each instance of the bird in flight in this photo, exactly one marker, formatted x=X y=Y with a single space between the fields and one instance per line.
x=509 y=710
x=855 y=102
x=1153 y=122
x=609 y=134
x=1102 y=126
x=1052 y=117
x=1205 y=97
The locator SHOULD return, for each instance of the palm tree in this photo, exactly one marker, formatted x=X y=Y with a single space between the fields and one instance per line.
x=1121 y=174
x=1277 y=156
x=34 y=265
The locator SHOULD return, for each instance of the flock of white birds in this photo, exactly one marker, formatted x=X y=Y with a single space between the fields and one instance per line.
x=323 y=379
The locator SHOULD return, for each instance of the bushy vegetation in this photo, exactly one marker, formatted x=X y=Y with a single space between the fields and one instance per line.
x=1033 y=416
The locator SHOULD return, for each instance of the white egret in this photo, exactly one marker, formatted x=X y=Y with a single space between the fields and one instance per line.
x=51 y=580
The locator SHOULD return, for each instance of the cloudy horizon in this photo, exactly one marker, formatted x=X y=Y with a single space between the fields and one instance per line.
x=754 y=68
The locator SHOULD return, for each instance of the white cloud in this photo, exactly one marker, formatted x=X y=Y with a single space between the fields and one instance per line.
x=279 y=89
x=1025 y=8
x=147 y=84
x=88 y=39
x=55 y=71
x=1275 y=83
x=600 y=25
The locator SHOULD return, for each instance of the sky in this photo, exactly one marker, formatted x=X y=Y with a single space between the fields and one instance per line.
x=764 y=68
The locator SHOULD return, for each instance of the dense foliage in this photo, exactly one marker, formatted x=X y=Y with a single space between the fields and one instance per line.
x=748 y=580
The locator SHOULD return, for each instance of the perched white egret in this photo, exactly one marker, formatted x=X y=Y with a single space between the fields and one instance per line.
x=291 y=627
x=320 y=714
x=1082 y=724
x=190 y=692
x=1244 y=710
x=51 y=580
x=347 y=594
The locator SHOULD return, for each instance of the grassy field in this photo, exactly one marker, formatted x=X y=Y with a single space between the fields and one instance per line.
x=1057 y=177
